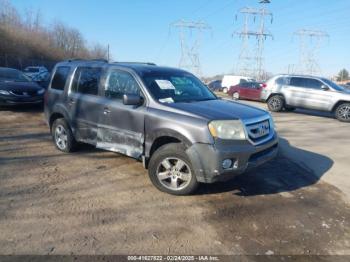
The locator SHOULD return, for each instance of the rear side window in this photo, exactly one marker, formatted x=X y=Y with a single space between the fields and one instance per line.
x=60 y=77
x=86 y=80
x=298 y=81
x=281 y=81
x=120 y=83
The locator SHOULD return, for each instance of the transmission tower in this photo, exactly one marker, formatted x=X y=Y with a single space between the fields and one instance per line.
x=251 y=59
x=190 y=34
x=309 y=45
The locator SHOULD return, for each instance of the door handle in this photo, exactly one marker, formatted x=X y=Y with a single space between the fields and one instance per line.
x=106 y=111
x=71 y=101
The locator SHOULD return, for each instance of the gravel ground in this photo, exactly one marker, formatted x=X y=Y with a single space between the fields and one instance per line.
x=97 y=202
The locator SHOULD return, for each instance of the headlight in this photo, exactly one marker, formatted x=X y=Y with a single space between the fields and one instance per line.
x=4 y=92
x=227 y=129
x=41 y=91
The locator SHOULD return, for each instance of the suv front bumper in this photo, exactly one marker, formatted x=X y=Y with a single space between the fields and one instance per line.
x=207 y=159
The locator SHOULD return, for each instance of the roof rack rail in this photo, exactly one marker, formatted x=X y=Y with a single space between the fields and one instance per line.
x=140 y=63
x=87 y=60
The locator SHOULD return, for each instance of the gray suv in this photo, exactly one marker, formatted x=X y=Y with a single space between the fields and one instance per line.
x=164 y=117
x=287 y=92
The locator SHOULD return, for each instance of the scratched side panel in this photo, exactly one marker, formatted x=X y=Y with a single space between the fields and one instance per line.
x=120 y=140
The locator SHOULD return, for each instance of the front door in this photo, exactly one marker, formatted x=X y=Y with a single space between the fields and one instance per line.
x=121 y=127
x=309 y=94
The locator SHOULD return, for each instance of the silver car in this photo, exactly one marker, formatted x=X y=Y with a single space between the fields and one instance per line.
x=287 y=92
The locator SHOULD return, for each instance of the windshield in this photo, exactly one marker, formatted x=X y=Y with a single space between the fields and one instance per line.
x=31 y=70
x=177 y=87
x=333 y=85
x=12 y=75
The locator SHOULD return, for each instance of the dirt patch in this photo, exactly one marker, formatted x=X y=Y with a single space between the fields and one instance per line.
x=97 y=202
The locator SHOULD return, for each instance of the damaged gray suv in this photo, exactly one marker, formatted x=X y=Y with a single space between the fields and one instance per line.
x=164 y=117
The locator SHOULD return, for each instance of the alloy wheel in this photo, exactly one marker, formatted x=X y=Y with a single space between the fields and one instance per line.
x=174 y=173
x=275 y=103
x=344 y=112
x=61 y=137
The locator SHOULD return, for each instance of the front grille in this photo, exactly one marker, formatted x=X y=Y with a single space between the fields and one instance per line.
x=257 y=132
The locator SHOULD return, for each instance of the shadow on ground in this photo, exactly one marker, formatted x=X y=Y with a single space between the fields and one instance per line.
x=279 y=175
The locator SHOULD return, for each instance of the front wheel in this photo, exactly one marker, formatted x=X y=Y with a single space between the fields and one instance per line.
x=170 y=170
x=342 y=112
x=225 y=90
x=275 y=103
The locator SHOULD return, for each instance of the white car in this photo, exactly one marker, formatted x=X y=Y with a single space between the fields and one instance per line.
x=33 y=71
x=232 y=80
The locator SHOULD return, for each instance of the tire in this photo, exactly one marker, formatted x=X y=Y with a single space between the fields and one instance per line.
x=168 y=168
x=62 y=136
x=342 y=112
x=275 y=103
x=235 y=96
x=225 y=90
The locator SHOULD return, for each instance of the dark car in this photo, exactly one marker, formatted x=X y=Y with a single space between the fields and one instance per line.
x=16 y=88
x=246 y=90
x=215 y=85
x=165 y=117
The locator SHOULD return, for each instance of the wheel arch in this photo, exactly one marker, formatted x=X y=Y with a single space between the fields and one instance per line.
x=337 y=104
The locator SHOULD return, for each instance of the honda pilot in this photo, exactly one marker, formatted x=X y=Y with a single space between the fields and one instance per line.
x=165 y=117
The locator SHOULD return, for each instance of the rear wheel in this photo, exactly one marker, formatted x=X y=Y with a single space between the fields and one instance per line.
x=62 y=136
x=275 y=103
x=225 y=90
x=235 y=96
x=170 y=170
x=342 y=112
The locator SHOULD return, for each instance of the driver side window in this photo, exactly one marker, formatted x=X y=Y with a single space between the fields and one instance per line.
x=119 y=83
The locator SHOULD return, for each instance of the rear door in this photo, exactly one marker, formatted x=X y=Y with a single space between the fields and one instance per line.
x=84 y=103
x=294 y=91
x=121 y=127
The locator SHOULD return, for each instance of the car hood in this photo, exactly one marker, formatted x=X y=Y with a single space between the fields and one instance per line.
x=220 y=109
x=20 y=86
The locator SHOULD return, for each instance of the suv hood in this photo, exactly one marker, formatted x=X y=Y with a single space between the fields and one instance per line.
x=220 y=109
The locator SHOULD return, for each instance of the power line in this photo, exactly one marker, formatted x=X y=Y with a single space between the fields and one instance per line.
x=309 y=46
x=251 y=59
x=190 y=49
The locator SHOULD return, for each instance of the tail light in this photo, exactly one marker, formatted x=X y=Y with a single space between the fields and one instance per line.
x=263 y=85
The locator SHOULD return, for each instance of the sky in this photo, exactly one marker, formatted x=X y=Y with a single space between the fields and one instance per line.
x=139 y=30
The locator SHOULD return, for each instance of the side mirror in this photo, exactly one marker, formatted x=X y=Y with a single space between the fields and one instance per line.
x=132 y=100
x=324 y=88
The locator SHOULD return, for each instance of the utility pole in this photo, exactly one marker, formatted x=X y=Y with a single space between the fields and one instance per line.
x=190 y=49
x=251 y=59
x=309 y=46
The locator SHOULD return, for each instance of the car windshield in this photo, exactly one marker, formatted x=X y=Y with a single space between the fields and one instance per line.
x=333 y=85
x=12 y=75
x=176 y=87
x=31 y=70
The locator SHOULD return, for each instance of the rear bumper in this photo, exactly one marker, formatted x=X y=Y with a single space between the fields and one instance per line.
x=12 y=100
x=207 y=159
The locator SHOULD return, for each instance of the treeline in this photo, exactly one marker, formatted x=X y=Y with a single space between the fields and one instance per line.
x=27 y=38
